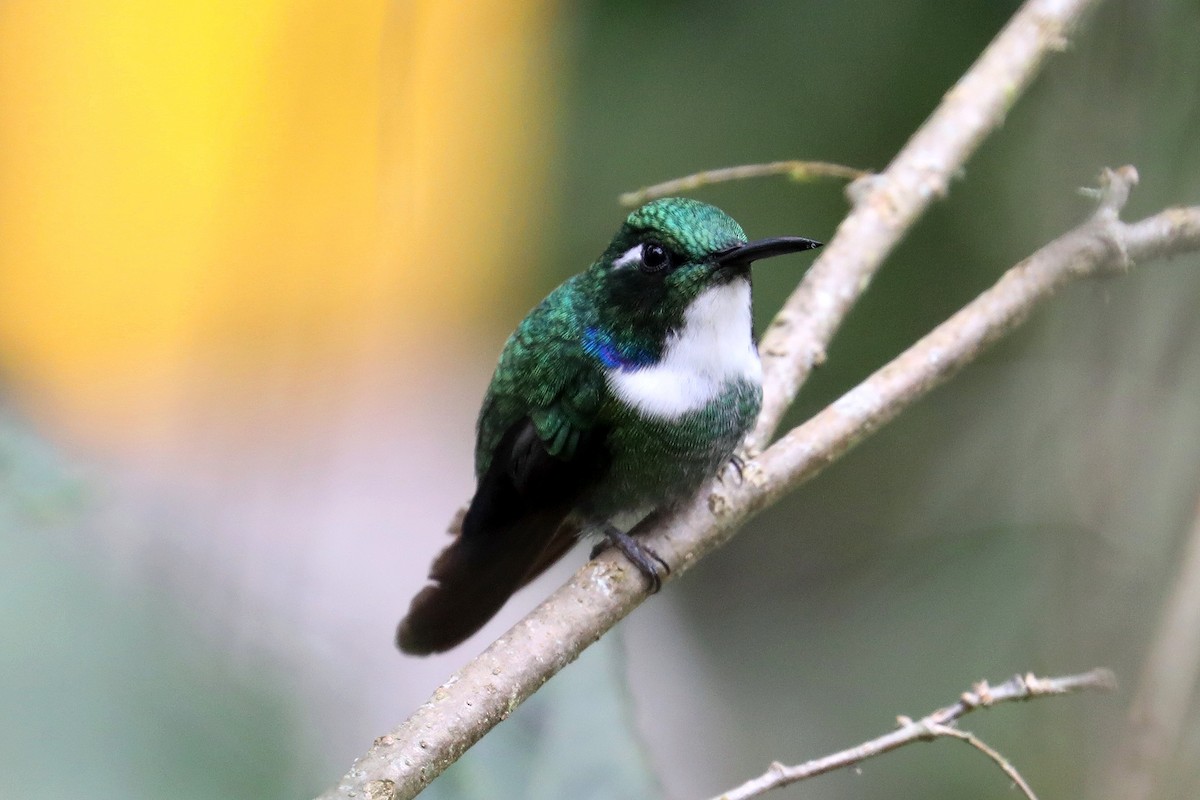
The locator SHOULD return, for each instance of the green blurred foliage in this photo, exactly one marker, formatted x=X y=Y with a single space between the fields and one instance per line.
x=105 y=694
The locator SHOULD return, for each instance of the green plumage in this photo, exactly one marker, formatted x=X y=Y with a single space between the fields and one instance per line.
x=623 y=391
x=545 y=373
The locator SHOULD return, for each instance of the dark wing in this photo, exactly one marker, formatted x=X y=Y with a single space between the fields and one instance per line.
x=532 y=473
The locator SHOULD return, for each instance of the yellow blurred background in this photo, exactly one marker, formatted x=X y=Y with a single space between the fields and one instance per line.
x=195 y=193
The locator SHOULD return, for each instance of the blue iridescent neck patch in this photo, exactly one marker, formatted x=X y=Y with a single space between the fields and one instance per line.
x=601 y=345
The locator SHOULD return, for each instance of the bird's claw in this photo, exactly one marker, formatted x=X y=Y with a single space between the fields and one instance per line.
x=739 y=466
x=648 y=562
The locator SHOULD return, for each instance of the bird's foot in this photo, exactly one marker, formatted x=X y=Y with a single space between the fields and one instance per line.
x=648 y=562
x=738 y=464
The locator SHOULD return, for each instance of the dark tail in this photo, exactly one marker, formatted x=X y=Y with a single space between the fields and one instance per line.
x=475 y=575
x=513 y=530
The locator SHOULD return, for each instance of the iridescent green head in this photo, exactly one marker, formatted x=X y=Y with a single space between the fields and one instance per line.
x=690 y=230
x=669 y=251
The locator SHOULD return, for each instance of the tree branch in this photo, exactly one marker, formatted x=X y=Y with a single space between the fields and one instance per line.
x=887 y=205
x=604 y=590
x=936 y=725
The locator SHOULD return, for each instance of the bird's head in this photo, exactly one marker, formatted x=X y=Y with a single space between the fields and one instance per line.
x=668 y=252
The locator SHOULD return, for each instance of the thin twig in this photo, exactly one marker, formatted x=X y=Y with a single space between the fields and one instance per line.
x=939 y=723
x=1003 y=763
x=796 y=170
x=887 y=205
x=1165 y=687
x=603 y=591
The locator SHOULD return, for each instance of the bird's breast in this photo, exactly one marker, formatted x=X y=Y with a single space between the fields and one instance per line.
x=655 y=460
x=712 y=349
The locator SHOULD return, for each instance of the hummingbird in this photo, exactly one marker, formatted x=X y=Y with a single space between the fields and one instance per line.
x=614 y=400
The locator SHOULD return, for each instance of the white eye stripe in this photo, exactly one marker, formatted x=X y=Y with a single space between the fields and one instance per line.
x=631 y=256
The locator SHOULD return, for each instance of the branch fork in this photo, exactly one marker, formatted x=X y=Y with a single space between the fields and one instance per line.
x=940 y=724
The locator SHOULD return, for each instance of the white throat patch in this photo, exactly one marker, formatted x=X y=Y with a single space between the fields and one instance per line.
x=713 y=347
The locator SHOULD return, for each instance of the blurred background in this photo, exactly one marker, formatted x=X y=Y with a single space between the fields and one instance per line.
x=257 y=260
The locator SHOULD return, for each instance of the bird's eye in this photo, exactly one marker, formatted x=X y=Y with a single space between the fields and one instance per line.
x=654 y=257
